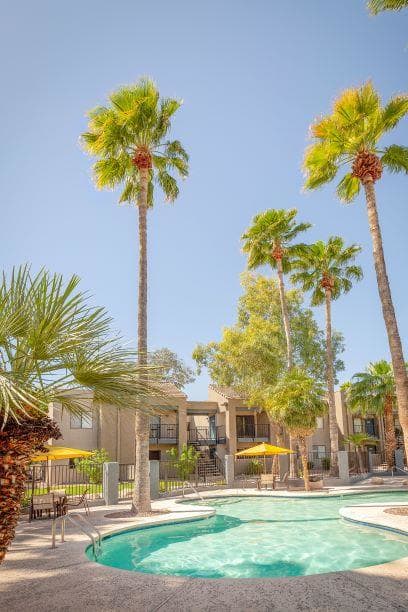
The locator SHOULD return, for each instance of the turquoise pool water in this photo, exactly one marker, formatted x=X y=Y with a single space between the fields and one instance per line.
x=258 y=538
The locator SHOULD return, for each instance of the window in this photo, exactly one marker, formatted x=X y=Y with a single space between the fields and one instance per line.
x=319 y=450
x=84 y=421
x=319 y=422
x=246 y=426
x=357 y=425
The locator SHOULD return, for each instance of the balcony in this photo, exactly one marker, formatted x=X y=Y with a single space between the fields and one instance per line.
x=165 y=433
x=205 y=436
x=249 y=432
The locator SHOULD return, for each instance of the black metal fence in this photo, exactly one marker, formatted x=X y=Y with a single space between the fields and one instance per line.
x=42 y=479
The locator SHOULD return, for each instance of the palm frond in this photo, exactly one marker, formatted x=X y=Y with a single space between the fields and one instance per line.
x=395 y=158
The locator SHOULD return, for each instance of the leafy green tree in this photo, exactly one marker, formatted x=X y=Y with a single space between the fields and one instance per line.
x=92 y=465
x=251 y=355
x=373 y=392
x=269 y=241
x=54 y=347
x=184 y=461
x=376 y=6
x=296 y=401
x=129 y=138
x=172 y=368
x=360 y=441
x=350 y=136
x=327 y=270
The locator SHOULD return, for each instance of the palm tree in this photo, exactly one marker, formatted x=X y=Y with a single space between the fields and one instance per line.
x=376 y=6
x=350 y=136
x=373 y=391
x=359 y=441
x=269 y=242
x=129 y=139
x=296 y=402
x=326 y=269
x=51 y=341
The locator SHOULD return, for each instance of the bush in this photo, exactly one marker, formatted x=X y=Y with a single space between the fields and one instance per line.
x=326 y=463
x=254 y=467
x=92 y=465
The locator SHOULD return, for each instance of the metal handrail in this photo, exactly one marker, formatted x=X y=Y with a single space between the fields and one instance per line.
x=96 y=542
x=190 y=486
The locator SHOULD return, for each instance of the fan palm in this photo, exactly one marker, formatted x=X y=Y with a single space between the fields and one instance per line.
x=295 y=402
x=359 y=441
x=373 y=391
x=129 y=139
x=269 y=242
x=326 y=269
x=376 y=6
x=350 y=136
x=52 y=341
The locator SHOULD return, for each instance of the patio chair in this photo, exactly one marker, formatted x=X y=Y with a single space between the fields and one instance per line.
x=265 y=480
x=42 y=503
x=77 y=501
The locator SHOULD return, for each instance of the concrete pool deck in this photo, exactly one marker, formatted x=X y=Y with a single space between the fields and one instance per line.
x=36 y=577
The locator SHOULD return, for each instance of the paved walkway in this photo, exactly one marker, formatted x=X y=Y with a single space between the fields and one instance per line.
x=37 y=578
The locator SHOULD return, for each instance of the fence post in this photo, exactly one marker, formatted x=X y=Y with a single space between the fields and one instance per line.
x=343 y=461
x=110 y=483
x=399 y=458
x=154 y=478
x=229 y=469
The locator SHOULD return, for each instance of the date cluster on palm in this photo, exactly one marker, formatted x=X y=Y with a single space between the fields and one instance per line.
x=18 y=443
x=367 y=166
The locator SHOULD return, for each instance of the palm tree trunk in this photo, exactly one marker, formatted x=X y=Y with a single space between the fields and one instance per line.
x=303 y=454
x=285 y=314
x=333 y=427
x=390 y=439
x=18 y=444
x=141 y=494
x=394 y=339
x=289 y=350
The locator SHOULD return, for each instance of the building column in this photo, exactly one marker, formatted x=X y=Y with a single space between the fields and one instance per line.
x=182 y=425
x=231 y=430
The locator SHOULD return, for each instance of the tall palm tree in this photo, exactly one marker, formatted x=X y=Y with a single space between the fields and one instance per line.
x=129 y=139
x=296 y=402
x=360 y=441
x=376 y=6
x=326 y=269
x=51 y=341
x=373 y=392
x=350 y=136
x=269 y=241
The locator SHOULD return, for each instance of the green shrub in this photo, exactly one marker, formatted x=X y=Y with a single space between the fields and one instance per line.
x=254 y=467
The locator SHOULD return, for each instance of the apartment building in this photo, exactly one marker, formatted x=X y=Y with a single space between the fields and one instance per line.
x=223 y=424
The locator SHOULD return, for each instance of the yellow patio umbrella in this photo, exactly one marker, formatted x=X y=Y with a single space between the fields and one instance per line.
x=263 y=450
x=55 y=453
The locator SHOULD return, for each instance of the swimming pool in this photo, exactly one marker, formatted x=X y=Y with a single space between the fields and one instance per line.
x=259 y=537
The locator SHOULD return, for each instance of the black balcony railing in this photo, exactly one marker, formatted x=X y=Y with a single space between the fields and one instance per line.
x=253 y=431
x=206 y=436
x=165 y=432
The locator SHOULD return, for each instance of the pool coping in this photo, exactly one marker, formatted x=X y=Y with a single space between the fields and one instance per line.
x=34 y=572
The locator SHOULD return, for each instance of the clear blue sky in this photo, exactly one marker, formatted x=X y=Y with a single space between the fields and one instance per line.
x=253 y=75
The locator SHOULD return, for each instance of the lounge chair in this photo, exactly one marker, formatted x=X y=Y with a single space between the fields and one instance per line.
x=77 y=501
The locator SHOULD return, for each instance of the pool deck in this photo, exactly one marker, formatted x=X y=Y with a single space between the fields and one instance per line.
x=36 y=577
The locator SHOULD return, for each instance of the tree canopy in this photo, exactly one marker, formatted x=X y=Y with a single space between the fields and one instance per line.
x=351 y=133
x=172 y=368
x=132 y=128
x=54 y=346
x=252 y=353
